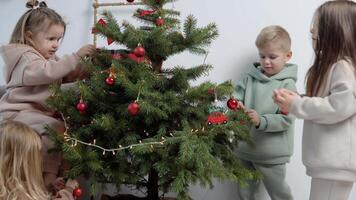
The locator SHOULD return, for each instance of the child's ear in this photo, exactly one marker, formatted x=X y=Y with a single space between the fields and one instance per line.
x=28 y=37
x=289 y=55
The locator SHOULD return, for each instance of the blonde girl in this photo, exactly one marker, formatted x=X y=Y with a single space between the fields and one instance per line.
x=20 y=166
x=329 y=107
x=31 y=66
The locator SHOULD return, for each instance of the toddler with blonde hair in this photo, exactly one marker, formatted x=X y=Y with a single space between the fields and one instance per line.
x=31 y=66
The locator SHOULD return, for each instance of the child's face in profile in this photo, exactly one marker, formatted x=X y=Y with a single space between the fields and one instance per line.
x=47 y=41
x=273 y=59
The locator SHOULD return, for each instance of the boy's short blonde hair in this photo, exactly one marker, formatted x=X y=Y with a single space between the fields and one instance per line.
x=276 y=35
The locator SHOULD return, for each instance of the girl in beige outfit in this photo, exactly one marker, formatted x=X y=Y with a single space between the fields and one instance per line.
x=30 y=67
x=329 y=107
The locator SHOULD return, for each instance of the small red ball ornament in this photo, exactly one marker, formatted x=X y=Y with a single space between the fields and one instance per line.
x=133 y=108
x=130 y=1
x=81 y=106
x=110 y=80
x=232 y=104
x=139 y=51
x=159 y=21
x=77 y=193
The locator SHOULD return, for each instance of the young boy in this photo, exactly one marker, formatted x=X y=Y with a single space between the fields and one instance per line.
x=272 y=133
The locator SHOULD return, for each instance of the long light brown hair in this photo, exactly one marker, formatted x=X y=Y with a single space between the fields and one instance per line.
x=336 y=40
x=20 y=163
x=35 y=20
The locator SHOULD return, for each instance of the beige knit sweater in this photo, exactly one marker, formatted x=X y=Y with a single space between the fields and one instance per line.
x=329 y=133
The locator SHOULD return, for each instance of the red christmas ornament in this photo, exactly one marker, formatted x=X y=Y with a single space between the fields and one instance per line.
x=146 y=12
x=139 y=51
x=102 y=22
x=159 y=21
x=133 y=108
x=82 y=106
x=110 y=80
x=77 y=192
x=110 y=40
x=133 y=57
x=232 y=104
x=217 y=118
x=130 y=1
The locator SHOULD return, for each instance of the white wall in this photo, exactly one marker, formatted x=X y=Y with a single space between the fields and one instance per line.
x=239 y=21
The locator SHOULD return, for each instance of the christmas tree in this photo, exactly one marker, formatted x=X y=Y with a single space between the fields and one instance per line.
x=138 y=122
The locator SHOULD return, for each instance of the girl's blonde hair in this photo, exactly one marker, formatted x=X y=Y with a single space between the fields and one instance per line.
x=20 y=163
x=35 y=20
x=276 y=35
x=336 y=40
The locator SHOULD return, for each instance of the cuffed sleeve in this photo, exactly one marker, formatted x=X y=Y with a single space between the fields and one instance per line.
x=275 y=123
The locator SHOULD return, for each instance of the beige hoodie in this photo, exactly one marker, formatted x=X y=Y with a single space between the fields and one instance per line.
x=329 y=135
x=28 y=76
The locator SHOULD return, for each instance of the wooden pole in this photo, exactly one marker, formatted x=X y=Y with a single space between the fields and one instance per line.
x=96 y=5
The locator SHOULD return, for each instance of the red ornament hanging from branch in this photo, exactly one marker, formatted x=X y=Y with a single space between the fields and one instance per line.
x=110 y=80
x=130 y=1
x=77 y=193
x=232 y=103
x=82 y=106
x=139 y=51
x=133 y=108
x=159 y=21
x=104 y=24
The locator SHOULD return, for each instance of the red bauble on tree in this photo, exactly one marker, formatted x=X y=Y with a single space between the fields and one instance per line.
x=139 y=51
x=109 y=40
x=133 y=108
x=110 y=80
x=233 y=104
x=159 y=21
x=130 y=1
x=77 y=193
x=82 y=106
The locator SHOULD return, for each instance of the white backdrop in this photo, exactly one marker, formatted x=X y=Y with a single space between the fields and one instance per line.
x=239 y=22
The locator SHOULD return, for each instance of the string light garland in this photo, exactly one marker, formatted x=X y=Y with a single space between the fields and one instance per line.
x=75 y=141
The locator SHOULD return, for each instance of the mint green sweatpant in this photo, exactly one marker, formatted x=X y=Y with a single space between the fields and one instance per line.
x=273 y=179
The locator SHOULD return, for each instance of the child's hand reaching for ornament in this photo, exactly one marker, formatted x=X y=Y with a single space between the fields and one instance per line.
x=255 y=117
x=59 y=184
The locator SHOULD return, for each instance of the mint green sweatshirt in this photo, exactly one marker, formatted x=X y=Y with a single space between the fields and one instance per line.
x=273 y=139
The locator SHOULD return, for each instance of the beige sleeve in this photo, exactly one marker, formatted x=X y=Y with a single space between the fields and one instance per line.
x=338 y=105
x=39 y=71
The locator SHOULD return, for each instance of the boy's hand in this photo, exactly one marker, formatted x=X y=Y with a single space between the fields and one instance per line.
x=86 y=50
x=255 y=117
x=240 y=105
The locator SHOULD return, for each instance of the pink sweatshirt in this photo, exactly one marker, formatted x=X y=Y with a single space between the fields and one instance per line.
x=28 y=76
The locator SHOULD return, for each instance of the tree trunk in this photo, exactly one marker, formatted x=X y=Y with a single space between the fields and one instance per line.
x=152 y=188
x=157 y=66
